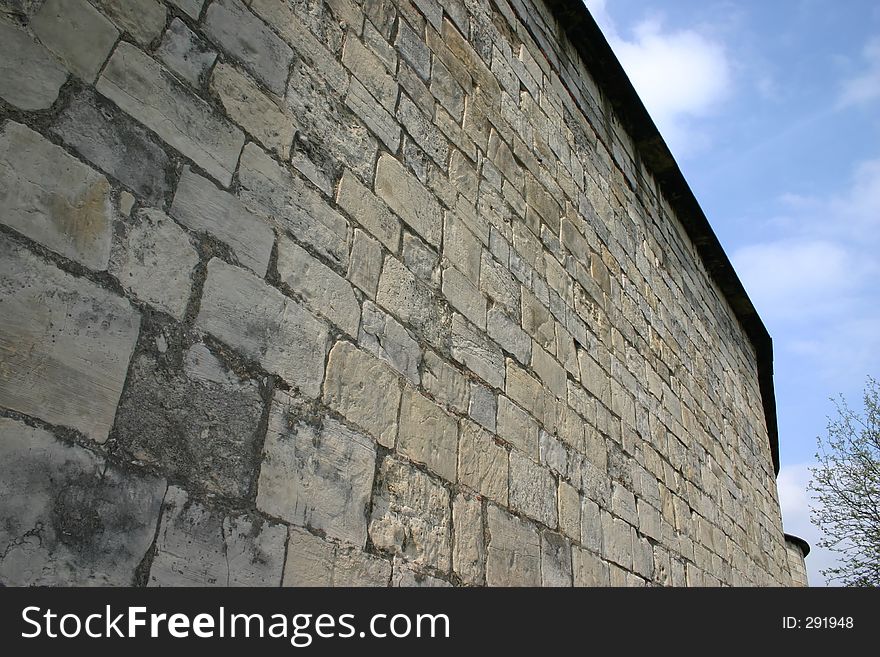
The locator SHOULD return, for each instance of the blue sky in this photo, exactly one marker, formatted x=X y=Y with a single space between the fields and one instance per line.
x=772 y=110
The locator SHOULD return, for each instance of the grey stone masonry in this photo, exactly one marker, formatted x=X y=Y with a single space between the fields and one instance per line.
x=346 y=293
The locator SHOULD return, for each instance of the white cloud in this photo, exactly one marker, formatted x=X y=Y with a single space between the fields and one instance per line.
x=680 y=75
x=865 y=87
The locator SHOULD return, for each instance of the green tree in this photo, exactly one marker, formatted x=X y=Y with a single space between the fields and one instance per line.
x=846 y=487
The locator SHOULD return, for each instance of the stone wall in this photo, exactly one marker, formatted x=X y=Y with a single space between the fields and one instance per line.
x=304 y=292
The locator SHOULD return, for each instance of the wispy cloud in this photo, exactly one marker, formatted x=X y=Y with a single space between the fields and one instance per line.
x=864 y=87
x=681 y=75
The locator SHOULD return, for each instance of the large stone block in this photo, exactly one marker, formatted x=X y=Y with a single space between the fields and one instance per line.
x=153 y=259
x=369 y=211
x=411 y=302
x=77 y=33
x=65 y=344
x=411 y=515
x=323 y=290
x=203 y=207
x=185 y=53
x=555 y=560
x=469 y=546
x=197 y=423
x=246 y=313
x=66 y=517
x=230 y=25
x=517 y=427
x=318 y=477
x=53 y=198
x=482 y=463
x=200 y=546
x=114 y=143
x=427 y=434
x=588 y=569
x=409 y=199
x=144 y=20
x=532 y=489
x=364 y=390
x=514 y=551
x=446 y=383
x=275 y=191
x=385 y=337
x=151 y=94
x=314 y=561
x=472 y=349
x=30 y=76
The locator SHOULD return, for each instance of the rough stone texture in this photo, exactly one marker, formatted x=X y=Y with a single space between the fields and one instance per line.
x=275 y=191
x=117 y=145
x=411 y=515
x=197 y=422
x=409 y=199
x=264 y=325
x=514 y=551
x=482 y=463
x=410 y=301
x=313 y=561
x=532 y=489
x=427 y=434
x=77 y=33
x=468 y=549
x=252 y=109
x=52 y=198
x=230 y=25
x=385 y=337
x=191 y=7
x=316 y=477
x=201 y=206
x=369 y=211
x=323 y=290
x=65 y=344
x=364 y=390
x=405 y=574
x=186 y=53
x=556 y=566
x=445 y=383
x=144 y=20
x=66 y=517
x=153 y=259
x=197 y=546
x=473 y=350
x=365 y=263
x=144 y=89
x=30 y=76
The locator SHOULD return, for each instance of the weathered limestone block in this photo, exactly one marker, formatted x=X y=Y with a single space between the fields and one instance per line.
x=532 y=489
x=556 y=566
x=569 y=504
x=411 y=515
x=404 y=575
x=66 y=517
x=588 y=569
x=421 y=259
x=518 y=428
x=314 y=561
x=364 y=390
x=365 y=263
x=275 y=191
x=65 y=344
x=445 y=382
x=369 y=211
x=185 y=53
x=368 y=68
x=427 y=434
x=409 y=199
x=144 y=20
x=413 y=49
x=360 y=101
x=473 y=350
x=77 y=33
x=385 y=337
x=549 y=371
x=462 y=248
x=322 y=290
x=318 y=477
x=595 y=483
x=464 y=297
x=617 y=541
x=30 y=76
x=198 y=546
x=264 y=325
x=553 y=453
x=623 y=503
x=230 y=25
x=410 y=301
x=514 y=551
x=201 y=206
x=469 y=546
x=116 y=144
x=52 y=198
x=252 y=109
x=509 y=335
x=424 y=133
x=192 y=7
x=482 y=463
x=199 y=423
x=591 y=525
x=483 y=407
x=151 y=94
x=153 y=259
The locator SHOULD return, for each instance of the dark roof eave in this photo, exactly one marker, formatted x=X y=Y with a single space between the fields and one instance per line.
x=603 y=64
